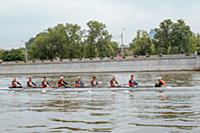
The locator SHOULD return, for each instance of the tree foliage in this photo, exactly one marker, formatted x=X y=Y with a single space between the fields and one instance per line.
x=70 y=41
x=170 y=38
x=67 y=41
x=162 y=36
x=1 y=53
x=61 y=41
x=13 y=55
x=179 y=37
x=197 y=42
x=99 y=41
x=142 y=44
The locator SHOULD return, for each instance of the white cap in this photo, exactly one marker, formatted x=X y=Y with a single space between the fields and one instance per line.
x=61 y=77
x=78 y=77
x=159 y=78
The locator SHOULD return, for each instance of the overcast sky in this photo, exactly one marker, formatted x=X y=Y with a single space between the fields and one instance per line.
x=22 y=19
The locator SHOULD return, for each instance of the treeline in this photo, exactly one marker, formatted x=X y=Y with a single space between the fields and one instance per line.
x=68 y=41
x=169 y=38
x=12 y=55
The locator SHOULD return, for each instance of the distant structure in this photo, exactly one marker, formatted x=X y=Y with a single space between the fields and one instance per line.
x=123 y=49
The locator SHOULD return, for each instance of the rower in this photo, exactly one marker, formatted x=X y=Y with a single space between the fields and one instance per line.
x=132 y=82
x=78 y=82
x=15 y=83
x=160 y=82
x=95 y=83
x=45 y=83
x=30 y=83
x=62 y=83
x=113 y=82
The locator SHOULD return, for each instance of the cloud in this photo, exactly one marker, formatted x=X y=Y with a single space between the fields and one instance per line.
x=22 y=19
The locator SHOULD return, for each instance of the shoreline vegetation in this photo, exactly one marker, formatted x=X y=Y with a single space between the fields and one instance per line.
x=71 y=42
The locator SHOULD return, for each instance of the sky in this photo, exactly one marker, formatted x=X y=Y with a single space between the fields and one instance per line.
x=22 y=19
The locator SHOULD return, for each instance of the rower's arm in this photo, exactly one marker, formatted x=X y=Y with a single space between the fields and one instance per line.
x=48 y=84
x=65 y=83
x=18 y=83
x=116 y=82
x=34 y=84
x=136 y=83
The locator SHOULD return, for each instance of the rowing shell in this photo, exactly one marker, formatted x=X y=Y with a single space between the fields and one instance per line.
x=101 y=89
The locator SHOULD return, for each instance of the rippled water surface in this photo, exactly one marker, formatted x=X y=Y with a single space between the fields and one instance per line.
x=118 y=112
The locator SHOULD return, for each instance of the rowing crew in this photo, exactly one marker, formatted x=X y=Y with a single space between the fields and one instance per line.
x=80 y=84
x=133 y=83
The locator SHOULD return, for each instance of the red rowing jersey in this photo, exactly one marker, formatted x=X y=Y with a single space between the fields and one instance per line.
x=162 y=83
x=45 y=84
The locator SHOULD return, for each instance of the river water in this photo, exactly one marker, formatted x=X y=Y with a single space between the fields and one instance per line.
x=117 y=112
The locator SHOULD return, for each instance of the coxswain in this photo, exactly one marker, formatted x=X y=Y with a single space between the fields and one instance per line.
x=16 y=84
x=45 y=83
x=132 y=82
x=30 y=83
x=62 y=83
x=113 y=82
x=160 y=82
x=78 y=82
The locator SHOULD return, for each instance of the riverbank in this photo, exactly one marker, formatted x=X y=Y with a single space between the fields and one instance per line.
x=106 y=65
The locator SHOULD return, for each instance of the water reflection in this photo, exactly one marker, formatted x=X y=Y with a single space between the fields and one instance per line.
x=185 y=127
x=83 y=129
x=64 y=104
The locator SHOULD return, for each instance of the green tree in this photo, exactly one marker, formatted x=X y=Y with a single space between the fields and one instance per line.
x=180 y=36
x=112 y=48
x=99 y=39
x=38 y=47
x=173 y=37
x=56 y=41
x=13 y=55
x=70 y=41
x=142 y=43
x=61 y=41
x=193 y=43
x=89 y=51
x=198 y=42
x=162 y=36
x=1 y=53
x=74 y=41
